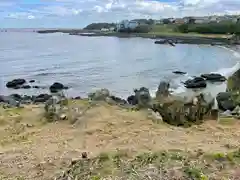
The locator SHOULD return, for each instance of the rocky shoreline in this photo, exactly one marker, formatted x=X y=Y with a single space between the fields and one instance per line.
x=178 y=39
x=172 y=109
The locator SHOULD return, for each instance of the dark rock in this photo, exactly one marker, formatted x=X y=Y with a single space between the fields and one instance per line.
x=41 y=98
x=179 y=72
x=26 y=87
x=56 y=87
x=226 y=101
x=36 y=87
x=16 y=82
x=197 y=82
x=143 y=97
x=31 y=81
x=77 y=98
x=233 y=83
x=227 y=105
x=118 y=100
x=163 y=90
x=132 y=100
x=214 y=77
x=165 y=41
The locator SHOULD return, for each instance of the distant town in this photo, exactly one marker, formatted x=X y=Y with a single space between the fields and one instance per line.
x=132 y=24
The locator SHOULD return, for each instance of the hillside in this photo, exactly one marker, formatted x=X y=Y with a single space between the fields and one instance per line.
x=32 y=148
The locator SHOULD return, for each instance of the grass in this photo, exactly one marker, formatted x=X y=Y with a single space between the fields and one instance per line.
x=120 y=143
x=158 y=165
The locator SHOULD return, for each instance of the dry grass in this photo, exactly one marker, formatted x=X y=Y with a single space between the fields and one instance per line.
x=33 y=149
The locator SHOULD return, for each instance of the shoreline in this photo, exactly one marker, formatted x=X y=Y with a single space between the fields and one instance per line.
x=176 y=37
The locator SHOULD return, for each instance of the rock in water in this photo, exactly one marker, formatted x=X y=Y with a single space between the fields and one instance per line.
x=214 y=77
x=15 y=83
x=197 y=82
x=57 y=87
x=41 y=98
x=179 y=72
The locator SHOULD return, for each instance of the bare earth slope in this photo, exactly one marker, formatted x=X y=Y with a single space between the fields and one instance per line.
x=33 y=149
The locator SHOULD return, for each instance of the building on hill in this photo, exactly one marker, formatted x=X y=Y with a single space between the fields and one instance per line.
x=125 y=24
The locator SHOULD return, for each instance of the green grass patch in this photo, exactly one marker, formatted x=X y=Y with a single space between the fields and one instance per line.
x=154 y=164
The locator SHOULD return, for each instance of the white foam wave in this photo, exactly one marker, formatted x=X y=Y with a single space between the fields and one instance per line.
x=180 y=89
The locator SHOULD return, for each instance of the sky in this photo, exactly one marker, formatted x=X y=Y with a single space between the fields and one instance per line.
x=79 y=13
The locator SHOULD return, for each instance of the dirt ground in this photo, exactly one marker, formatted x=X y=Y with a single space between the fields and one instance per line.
x=32 y=149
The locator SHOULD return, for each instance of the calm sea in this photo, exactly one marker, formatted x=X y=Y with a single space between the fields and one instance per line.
x=119 y=64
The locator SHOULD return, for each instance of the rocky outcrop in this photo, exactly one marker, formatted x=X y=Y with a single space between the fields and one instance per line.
x=213 y=77
x=55 y=87
x=16 y=83
x=163 y=90
x=233 y=82
x=179 y=72
x=181 y=113
x=197 y=82
x=225 y=101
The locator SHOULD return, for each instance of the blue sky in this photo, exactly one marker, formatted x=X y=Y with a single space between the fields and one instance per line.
x=79 y=13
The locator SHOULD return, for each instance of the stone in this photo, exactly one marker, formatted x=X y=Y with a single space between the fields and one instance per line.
x=143 y=97
x=197 y=82
x=99 y=95
x=15 y=83
x=132 y=100
x=32 y=81
x=163 y=89
x=41 y=98
x=213 y=77
x=55 y=87
x=179 y=72
x=25 y=87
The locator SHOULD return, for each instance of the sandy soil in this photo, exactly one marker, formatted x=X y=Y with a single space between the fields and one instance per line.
x=30 y=148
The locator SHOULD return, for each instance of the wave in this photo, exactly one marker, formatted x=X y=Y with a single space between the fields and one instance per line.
x=178 y=88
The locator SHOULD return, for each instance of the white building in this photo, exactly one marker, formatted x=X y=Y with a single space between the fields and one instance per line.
x=125 y=24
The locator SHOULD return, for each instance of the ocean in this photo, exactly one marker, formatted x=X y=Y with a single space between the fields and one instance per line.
x=118 y=64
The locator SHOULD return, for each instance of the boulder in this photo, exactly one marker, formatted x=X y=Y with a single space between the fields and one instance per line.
x=132 y=100
x=143 y=97
x=226 y=101
x=118 y=100
x=180 y=113
x=163 y=89
x=179 y=72
x=10 y=100
x=197 y=82
x=15 y=83
x=55 y=87
x=41 y=98
x=233 y=82
x=26 y=87
x=99 y=95
x=213 y=77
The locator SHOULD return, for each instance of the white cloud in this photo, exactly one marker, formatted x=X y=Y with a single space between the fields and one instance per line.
x=114 y=10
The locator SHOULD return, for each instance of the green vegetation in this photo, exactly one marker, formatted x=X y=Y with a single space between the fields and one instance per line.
x=99 y=26
x=212 y=28
x=159 y=165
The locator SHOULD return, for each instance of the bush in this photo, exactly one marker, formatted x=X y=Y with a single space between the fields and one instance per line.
x=211 y=28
